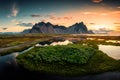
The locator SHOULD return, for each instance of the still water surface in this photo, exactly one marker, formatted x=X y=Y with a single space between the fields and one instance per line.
x=10 y=70
x=112 y=51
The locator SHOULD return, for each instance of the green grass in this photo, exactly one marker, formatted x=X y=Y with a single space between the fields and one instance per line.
x=15 y=43
x=17 y=49
x=52 y=54
x=69 y=60
x=18 y=43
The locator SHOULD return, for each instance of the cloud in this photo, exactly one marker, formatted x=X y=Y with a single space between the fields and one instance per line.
x=115 y=12
x=117 y=28
x=35 y=15
x=19 y=23
x=40 y=8
x=117 y=23
x=4 y=28
x=68 y=18
x=25 y=24
x=51 y=16
x=89 y=13
x=8 y=16
x=104 y=14
x=97 y=1
x=54 y=17
x=115 y=33
x=43 y=20
x=14 y=10
x=92 y=23
x=102 y=31
x=118 y=7
x=15 y=21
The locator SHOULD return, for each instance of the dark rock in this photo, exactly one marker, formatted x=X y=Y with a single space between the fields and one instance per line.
x=48 y=28
x=26 y=31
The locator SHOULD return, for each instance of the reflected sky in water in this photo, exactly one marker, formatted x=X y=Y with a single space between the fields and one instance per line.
x=112 y=51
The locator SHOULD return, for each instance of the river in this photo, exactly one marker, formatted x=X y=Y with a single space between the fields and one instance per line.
x=9 y=69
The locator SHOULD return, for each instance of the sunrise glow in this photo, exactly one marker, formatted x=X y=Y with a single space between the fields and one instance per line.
x=96 y=14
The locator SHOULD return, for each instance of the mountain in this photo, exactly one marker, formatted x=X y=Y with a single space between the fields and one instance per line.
x=26 y=31
x=48 y=28
x=77 y=28
x=43 y=28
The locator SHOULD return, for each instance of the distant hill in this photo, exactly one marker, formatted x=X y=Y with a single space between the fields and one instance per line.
x=26 y=31
x=10 y=33
x=48 y=28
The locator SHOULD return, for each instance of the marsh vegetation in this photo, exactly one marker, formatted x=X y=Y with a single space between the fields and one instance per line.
x=83 y=57
x=68 y=60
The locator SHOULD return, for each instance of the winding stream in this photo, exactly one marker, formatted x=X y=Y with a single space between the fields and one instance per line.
x=10 y=70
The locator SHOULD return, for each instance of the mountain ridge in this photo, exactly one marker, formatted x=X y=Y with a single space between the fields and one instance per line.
x=48 y=28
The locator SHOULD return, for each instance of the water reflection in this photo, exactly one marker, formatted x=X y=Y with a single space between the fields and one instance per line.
x=7 y=63
x=112 y=51
x=10 y=60
x=66 y=42
x=10 y=70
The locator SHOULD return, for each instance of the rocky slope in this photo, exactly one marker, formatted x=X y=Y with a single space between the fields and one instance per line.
x=48 y=28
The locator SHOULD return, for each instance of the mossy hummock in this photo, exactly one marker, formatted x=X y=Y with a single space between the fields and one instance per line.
x=68 y=60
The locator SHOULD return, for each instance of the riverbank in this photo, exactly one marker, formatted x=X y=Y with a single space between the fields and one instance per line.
x=10 y=69
x=19 y=42
x=41 y=59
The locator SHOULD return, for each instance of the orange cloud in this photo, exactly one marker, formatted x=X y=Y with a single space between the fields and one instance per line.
x=115 y=12
x=43 y=20
x=118 y=7
x=97 y=1
x=117 y=28
x=104 y=14
x=51 y=16
x=68 y=18
x=116 y=23
x=89 y=13
x=92 y=23
x=115 y=33
x=95 y=18
x=54 y=17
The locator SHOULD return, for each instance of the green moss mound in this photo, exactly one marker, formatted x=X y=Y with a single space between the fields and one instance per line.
x=69 y=60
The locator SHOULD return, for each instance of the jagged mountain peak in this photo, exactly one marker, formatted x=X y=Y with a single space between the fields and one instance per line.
x=41 y=23
x=42 y=27
x=80 y=23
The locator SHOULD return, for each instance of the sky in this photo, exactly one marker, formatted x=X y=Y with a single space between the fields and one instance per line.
x=97 y=15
